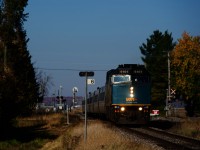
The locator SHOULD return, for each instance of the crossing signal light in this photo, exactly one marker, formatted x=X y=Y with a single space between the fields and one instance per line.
x=90 y=73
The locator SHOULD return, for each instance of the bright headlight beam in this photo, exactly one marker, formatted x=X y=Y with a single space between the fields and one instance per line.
x=122 y=108
x=140 y=108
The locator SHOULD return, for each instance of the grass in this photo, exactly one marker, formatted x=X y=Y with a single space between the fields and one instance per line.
x=50 y=132
x=99 y=136
x=32 y=132
x=102 y=136
x=189 y=127
x=17 y=145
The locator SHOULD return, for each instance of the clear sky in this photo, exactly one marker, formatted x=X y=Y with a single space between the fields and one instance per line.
x=69 y=36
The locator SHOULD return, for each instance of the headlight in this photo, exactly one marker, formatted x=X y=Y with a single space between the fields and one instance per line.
x=122 y=109
x=131 y=91
x=140 y=108
x=131 y=95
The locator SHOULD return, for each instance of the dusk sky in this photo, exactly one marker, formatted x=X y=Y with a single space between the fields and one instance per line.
x=69 y=36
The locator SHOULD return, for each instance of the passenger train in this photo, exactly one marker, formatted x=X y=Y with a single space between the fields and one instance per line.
x=125 y=98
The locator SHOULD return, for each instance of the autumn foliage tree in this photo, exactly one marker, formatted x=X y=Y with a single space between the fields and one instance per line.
x=186 y=69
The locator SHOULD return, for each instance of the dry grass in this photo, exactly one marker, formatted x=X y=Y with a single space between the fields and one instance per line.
x=33 y=132
x=48 y=120
x=190 y=127
x=99 y=136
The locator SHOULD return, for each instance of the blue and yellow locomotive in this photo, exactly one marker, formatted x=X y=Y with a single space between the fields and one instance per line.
x=125 y=98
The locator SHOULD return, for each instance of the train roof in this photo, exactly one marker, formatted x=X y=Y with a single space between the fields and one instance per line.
x=133 y=69
x=131 y=66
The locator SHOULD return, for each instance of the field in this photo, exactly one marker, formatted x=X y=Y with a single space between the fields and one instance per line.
x=32 y=132
x=50 y=132
x=189 y=127
x=99 y=136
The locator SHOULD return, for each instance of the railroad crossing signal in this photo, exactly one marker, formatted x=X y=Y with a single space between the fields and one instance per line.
x=173 y=92
x=75 y=90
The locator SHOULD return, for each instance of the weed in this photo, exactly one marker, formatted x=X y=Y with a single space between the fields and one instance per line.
x=32 y=133
x=190 y=127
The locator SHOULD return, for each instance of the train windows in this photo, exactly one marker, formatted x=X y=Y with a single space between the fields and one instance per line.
x=120 y=78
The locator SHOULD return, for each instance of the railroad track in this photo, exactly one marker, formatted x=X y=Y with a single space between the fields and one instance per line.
x=164 y=139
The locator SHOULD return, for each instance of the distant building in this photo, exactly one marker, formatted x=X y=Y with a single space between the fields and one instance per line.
x=63 y=102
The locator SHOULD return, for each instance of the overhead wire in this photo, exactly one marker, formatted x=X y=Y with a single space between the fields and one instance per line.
x=67 y=69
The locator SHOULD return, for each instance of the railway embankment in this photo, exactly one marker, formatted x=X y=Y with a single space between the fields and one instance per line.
x=51 y=131
x=187 y=126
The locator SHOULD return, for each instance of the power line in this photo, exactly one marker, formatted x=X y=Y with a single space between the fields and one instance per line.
x=67 y=69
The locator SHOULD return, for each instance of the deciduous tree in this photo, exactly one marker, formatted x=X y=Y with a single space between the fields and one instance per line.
x=45 y=82
x=186 y=64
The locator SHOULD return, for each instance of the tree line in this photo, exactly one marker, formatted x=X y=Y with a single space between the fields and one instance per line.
x=184 y=58
x=21 y=87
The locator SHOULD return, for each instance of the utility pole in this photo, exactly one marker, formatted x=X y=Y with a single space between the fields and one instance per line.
x=169 y=86
x=169 y=79
x=60 y=94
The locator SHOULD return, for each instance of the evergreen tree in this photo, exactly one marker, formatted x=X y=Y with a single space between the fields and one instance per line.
x=19 y=89
x=155 y=56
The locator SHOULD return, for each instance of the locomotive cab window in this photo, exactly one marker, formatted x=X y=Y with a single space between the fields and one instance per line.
x=120 y=78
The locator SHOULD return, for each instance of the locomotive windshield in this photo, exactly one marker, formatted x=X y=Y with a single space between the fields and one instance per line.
x=120 y=78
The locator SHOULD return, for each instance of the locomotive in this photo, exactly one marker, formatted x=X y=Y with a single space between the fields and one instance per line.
x=125 y=98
